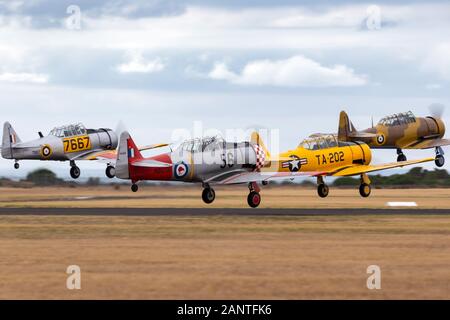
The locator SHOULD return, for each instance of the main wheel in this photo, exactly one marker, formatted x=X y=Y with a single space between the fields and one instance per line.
x=364 y=190
x=16 y=165
x=75 y=172
x=110 y=172
x=254 y=199
x=134 y=187
x=440 y=160
x=401 y=157
x=322 y=190
x=208 y=195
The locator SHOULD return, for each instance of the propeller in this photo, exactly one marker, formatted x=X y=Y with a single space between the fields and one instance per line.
x=436 y=110
x=120 y=127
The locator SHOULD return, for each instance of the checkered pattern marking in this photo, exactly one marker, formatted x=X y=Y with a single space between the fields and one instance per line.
x=260 y=157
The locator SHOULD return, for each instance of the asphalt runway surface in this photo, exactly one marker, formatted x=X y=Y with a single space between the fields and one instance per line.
x=214 y=212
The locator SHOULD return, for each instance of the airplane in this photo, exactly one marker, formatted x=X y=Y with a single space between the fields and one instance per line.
x=65 y=143
x=213 y=161
x=399 y=131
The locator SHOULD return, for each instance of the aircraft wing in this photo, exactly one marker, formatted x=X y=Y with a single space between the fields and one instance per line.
x=358 y=169
x=428 y=143
x=238 y=177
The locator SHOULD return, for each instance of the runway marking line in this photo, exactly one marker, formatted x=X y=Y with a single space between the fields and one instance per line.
x=401 y=204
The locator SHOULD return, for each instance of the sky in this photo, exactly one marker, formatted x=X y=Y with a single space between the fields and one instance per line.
x=160 y=66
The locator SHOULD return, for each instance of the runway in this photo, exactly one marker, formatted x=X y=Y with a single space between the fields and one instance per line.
x=214 y=212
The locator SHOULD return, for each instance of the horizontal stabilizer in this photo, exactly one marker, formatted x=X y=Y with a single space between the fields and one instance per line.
x=362 y=135
x=150 y=164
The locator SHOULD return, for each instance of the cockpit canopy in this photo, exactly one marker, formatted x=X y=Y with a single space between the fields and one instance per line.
x=320 y=141
x=398 y=119
x=203 y=144
x=69 y=130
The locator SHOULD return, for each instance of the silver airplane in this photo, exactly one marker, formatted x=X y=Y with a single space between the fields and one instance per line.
x=209 y=161
x=66 y=143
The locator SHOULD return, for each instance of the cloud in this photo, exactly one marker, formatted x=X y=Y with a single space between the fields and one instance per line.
x=23 y=77
x=297 y=71
x=438 y=61
x=138 y=64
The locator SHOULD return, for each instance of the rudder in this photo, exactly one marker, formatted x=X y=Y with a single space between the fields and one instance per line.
x=127 y=153
x=10 y=138
x=345 y=127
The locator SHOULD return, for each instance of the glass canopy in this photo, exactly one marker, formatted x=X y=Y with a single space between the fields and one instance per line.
x=69 y=130
x=398 y=119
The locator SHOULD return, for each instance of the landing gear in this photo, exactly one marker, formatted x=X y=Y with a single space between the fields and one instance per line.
x=74 y=170
x=110 y=172
x=364 y=188
x=322 y=188
x=254 y=198
x=439 y=160
x=208 y=195
x=400 y=155
x=16 y=165
x=134 y=187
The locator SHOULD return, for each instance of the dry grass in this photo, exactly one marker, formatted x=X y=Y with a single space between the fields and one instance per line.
x=225 y=257
x=226 y=197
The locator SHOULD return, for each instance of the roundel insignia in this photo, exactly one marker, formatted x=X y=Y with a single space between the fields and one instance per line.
x=380 y=139
x=46 y=151
x=294 y=164
x=181 y=170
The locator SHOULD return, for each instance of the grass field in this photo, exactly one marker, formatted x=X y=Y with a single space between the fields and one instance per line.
x=225 y=257
x=226 y=197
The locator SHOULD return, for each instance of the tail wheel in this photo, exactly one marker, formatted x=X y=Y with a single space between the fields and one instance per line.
x=364 y=190
x=134 y=187
x=322 y=190
x=401 y=157
x=75 y=172
x=254 y=199
x=439 y=160
x=110 y=172
x=208 y=195
x=16 y=165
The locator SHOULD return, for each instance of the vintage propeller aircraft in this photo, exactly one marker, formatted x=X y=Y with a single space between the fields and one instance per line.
x=213 y=161
x=400 y=131
x=66 y=143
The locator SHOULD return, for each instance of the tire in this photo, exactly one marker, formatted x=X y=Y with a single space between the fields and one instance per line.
x=254 y=199
x=16 y=165
x=364 y=190
x=401 y=157
x=134 y=187
x=322 y=190
x=75 y=172
x=208 y=195
x=439 y=160
x=110 y=172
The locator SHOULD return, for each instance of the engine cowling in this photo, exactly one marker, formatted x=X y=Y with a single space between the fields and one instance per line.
x=435 y=126
x=104 y=138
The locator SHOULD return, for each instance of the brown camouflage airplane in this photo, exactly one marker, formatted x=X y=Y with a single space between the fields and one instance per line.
x=399 y=131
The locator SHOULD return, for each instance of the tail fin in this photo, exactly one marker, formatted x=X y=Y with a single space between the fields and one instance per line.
x=127 y=153
x=346 y=127
x=10 y=138
x=256 y=139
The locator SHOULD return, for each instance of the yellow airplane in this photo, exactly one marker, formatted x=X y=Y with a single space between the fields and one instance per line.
x=322 y=155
